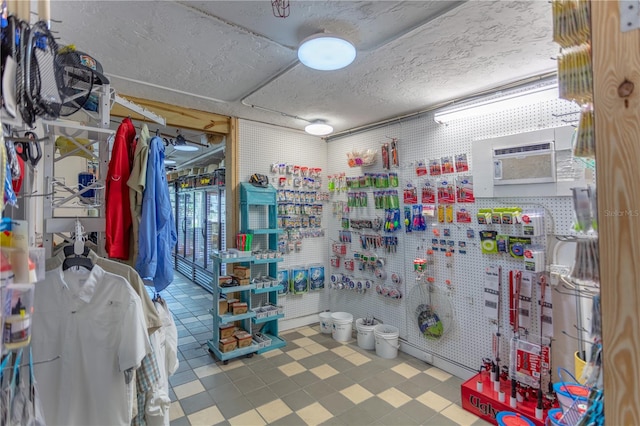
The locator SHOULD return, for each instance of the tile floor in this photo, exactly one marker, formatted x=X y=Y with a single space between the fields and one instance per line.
x=313 y=380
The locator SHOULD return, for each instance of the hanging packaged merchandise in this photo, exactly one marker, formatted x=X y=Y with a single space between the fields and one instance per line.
x=446 y=191
x=428 y=192
x=517 y=245
x=492 y=292
x=534 y=259
x=385 y=156
x=571 y=22
x=316 y=277
x=393 y=180
x=529 y=279
x=584 y=143
x=462 y=165
x=583 y=202
x=299 y=280
x=464 y=189
x=408 y=224
x=511 y=216
x=448 y=213
x=441 y=212
x=17 y=308
x=463 y=216
x=283 y=280
x=392 y=220
x=532 y=223
x=484 y=216
x=447 y=164
x=394 y=153
x=488 y=242
x=435 y=168
x=410 y=194
x=418 y=222
x=502 y=242
x=421 y=168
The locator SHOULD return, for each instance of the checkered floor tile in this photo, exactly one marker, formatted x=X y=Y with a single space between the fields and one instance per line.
x=314 y=380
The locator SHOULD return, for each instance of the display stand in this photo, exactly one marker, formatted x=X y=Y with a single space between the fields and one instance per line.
x=224 y=318
x=250 y=198
x=258 y=205
x=484 y=401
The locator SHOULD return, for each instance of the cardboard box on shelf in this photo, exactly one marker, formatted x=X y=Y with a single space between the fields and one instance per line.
x=227 y=345
x=242 y=281
x=239 y=308
x=227 y=330
x=225 y=279
x=241 y=271
x=223 y=306
x=230 y=302
x=244 y=339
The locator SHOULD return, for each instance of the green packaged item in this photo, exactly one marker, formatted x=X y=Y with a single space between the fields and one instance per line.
x=488 y=242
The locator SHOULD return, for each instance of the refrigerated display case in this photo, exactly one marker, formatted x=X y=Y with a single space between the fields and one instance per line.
x=172 y=199
x=200 y=215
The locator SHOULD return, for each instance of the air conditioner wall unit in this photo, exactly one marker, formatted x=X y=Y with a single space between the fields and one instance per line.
x=524 y=164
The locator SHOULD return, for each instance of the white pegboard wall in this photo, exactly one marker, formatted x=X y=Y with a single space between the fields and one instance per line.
x=260 y=145
x=422 y=139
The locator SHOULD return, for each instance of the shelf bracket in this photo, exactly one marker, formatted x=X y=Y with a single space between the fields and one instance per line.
x=629 y=15
x=140 y=110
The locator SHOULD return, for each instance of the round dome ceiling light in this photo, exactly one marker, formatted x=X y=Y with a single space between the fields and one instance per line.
x=326 y=53
x=318 y=128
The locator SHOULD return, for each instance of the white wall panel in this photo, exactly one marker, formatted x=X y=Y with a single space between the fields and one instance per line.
x=422 y=139
x=260 y=146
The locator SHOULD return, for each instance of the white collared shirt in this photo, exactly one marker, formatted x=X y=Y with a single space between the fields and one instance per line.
x=94 y=322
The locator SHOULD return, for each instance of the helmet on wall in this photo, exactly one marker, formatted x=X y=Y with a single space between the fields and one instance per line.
x=261 y=181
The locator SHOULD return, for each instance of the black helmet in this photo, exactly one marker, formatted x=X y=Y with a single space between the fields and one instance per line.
x=261 y=181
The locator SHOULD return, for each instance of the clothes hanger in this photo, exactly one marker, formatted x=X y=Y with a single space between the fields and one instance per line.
x=79 y=258
x=69 y=251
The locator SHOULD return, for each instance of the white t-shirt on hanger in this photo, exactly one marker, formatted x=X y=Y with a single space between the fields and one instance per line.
x=93 y=321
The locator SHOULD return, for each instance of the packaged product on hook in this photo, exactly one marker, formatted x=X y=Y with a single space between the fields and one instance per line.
x=299 y=280
x=17 y=308
x=316 y=277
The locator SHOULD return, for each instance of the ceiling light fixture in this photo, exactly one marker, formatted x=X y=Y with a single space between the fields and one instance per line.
x=500 y=102
x=318 y=128
x=166 y=161
x=326 y=52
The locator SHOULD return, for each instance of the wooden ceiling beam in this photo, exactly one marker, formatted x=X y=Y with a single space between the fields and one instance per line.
x=176 y=116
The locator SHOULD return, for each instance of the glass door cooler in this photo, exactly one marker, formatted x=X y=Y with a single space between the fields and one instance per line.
x=200 y=216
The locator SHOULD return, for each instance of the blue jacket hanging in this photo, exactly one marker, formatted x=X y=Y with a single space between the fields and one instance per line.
x=157 y=233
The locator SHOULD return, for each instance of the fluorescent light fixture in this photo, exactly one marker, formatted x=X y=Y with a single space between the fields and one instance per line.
x=170 y=162
x=497 y=103
x=180 y=144
x=326 y=53
x=318 y=128
x=186 y=148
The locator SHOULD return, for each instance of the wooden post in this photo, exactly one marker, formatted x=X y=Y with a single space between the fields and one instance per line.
x=616 y=69
x=232 y=169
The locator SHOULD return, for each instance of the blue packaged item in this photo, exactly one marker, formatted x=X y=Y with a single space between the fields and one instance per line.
x=316 y=277
x=283 y=280
x=299 y=280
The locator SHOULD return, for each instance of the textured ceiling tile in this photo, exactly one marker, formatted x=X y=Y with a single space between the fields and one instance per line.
x=225 y=50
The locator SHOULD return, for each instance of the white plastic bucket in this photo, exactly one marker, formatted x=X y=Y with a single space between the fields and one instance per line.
x=325 y=322
x=386 y=340
x=366 y=339
x=342 y=326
